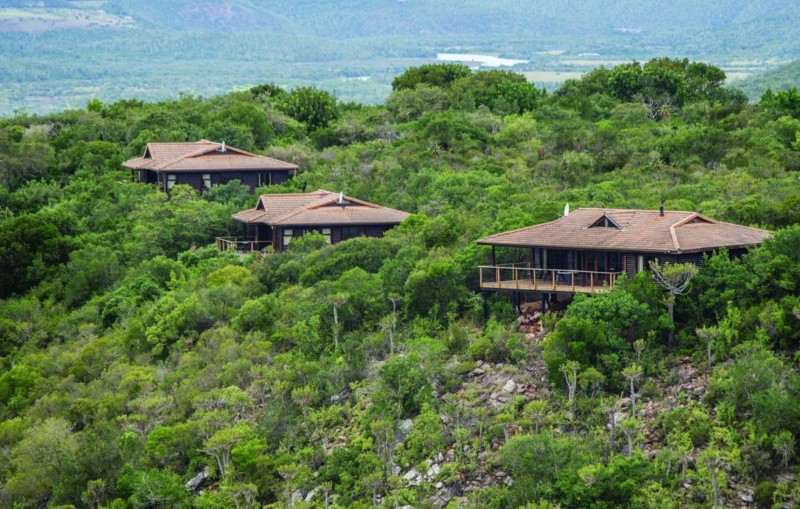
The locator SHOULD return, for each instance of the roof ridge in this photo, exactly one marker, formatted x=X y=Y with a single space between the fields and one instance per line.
x=348 y=198
x=674 y=235
x=692 y=217
x=201 y=151
x=300 y=209
x=198 y=151
x=649 y=211
x=321 y=202
x=318 y=191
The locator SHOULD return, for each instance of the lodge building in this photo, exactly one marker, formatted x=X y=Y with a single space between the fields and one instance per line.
x=277 y=219
x=585 y=251
x=203 y=164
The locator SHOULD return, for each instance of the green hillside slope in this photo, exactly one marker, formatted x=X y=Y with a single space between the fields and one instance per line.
x=783 y=78
x=141 y=367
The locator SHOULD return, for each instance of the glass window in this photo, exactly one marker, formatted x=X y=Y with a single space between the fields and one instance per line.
x=326 y=232
x=557 y=259
x=349 y=232
x=614 y=262
x=206 y=181
x=264 y=179
x=171 y=179
x=288 y=235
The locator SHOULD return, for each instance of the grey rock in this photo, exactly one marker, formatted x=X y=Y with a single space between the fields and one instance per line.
x=195 y=482
x=411 y=475
x=405 y=425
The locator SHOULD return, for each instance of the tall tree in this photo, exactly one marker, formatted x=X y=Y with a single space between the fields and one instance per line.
x=675 y=279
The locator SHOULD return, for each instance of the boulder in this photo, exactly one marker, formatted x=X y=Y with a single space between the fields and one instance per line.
x=197 y=481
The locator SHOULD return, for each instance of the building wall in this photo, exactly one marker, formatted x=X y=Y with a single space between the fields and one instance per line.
x=147 y=176
x=195 y=179
x=630 y=260
x=338 y=233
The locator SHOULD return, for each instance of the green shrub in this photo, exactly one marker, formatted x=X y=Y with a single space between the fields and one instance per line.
x=764 y=494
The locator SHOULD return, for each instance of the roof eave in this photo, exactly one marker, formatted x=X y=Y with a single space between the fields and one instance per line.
x=207 y=170
x=334 y=223
x=620 y=250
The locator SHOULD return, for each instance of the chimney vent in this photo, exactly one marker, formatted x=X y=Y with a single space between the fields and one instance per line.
x=661 y=209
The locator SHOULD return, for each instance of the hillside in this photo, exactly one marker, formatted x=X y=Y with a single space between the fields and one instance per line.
x=65 y=53
x=141 y=367
x=783 y=78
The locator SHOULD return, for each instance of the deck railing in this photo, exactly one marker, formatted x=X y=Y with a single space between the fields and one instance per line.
x=241 y=244
x=521 y=276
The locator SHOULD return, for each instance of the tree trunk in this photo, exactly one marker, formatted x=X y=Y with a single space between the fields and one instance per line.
x=715 y=487
x=336 y=326
x=671 y=311
x=612 y=442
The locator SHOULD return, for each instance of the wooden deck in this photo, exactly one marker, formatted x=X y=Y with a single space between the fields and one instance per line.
x=241 y=244
x=523 y=278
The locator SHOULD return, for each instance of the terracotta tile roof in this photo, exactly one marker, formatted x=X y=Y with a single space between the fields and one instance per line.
x=632 y=230
x=320 y=208
x=202 y=155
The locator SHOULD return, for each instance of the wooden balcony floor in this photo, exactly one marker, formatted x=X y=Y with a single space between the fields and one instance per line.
x=523 y=285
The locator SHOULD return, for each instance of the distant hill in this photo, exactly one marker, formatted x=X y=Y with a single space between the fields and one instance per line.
x=446 y=17
x=782 y=78
x=60 y=53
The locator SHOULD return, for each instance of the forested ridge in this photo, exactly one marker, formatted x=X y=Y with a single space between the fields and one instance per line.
x=140 y=367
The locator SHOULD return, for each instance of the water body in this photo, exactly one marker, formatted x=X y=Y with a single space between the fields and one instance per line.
x=482 y=60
